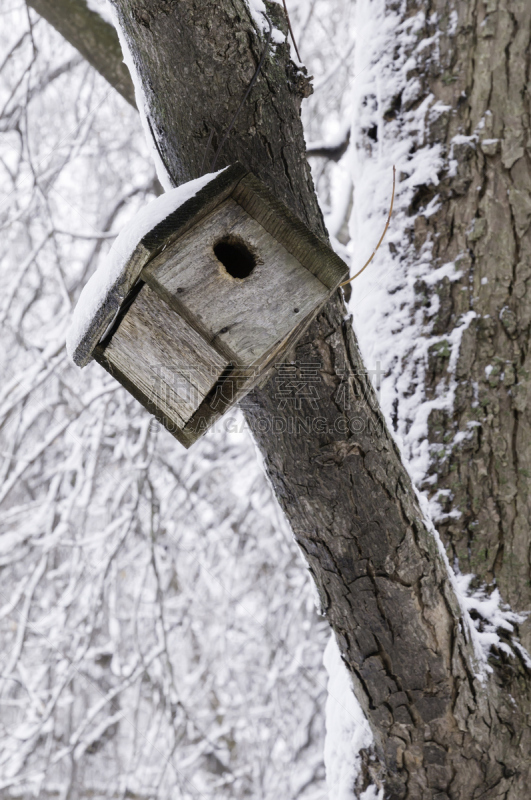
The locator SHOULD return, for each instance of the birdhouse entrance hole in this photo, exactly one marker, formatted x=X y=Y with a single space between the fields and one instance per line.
x=235 y=257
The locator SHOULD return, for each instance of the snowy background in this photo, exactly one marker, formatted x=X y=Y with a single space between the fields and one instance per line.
x=158 y=627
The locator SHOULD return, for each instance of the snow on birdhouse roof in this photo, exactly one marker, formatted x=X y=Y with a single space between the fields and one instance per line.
x=108 y=287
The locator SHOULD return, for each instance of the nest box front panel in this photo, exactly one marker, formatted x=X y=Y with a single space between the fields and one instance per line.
x=168 y=362
x=237 y=284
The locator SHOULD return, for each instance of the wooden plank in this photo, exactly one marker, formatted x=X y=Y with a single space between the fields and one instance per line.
x=244 y=319
x=174 y=428
x=169 y=362
x=197 y=207
x=281 y=223
x=239 y=382
x=232 y=387
x=170 y=228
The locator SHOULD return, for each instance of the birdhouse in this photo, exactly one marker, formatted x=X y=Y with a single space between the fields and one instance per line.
x=206 y=300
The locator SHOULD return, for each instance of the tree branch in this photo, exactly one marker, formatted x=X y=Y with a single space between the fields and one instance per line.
x=333 y=152
x=95 y=39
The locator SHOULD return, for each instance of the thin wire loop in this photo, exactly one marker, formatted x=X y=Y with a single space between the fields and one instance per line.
x=381 y=237
x=291 y=31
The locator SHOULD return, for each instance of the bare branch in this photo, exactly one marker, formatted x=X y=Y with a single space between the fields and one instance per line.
x=95 y=39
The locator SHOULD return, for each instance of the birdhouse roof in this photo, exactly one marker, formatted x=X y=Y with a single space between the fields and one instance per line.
x=167 y=218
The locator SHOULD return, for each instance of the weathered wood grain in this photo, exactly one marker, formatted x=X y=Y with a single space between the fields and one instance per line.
x=247 y=317
x=166 y=231
x=251 y=194
x=164 y=357
x=280 y=222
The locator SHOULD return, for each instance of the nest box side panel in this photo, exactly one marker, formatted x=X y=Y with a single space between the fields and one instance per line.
x=315 y=254
x=244 y=317
x=164 y=358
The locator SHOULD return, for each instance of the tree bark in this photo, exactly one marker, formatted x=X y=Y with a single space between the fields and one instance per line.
x=384 y=586
x=96 y=40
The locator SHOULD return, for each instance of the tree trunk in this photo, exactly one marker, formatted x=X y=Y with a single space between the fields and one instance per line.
x=484 y=224
x=384 y=585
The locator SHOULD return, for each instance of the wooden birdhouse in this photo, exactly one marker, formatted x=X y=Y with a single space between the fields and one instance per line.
x=209 y=299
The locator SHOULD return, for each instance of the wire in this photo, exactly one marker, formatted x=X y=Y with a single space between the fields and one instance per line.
x=381 y=237
x=291 y=31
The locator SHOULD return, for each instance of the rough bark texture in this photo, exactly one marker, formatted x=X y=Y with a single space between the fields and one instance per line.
x=482 y=77
x=96 y=40
x=484 y=223
x=195 y=81
x=336 y=471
